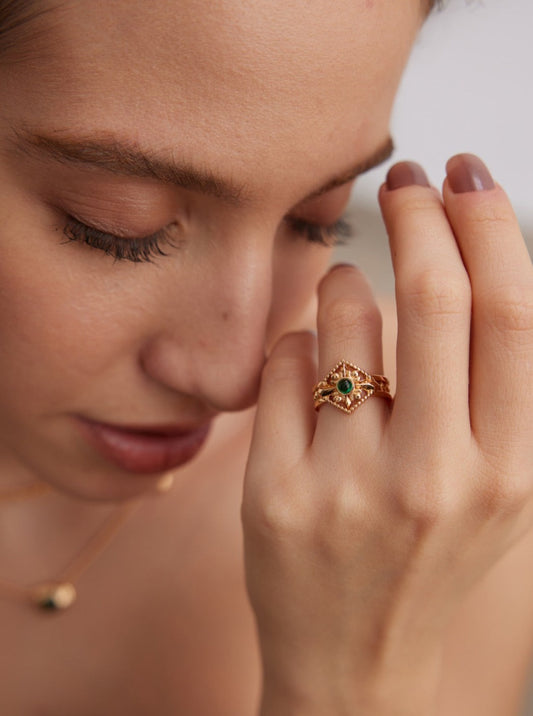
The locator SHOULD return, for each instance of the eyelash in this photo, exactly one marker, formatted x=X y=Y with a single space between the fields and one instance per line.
x=145 y=249
x=336 y=234
x=138 y=250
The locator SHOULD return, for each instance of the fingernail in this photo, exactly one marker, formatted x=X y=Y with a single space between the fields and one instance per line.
x=406 y=174
x=341 y=265
x=466 y=172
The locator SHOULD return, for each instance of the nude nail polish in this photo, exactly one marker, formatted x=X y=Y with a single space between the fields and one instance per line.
x=341 y=265
x=466 y=172
x=406 y=174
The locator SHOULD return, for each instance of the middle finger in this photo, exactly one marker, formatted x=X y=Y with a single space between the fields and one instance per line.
x=434 y=304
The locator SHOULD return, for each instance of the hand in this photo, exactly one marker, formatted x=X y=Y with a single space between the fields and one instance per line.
x=364 y=532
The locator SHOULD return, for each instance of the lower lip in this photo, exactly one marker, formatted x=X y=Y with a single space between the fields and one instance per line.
x=141 y=452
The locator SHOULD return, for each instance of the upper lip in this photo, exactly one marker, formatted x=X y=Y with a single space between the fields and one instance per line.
x=168 y=429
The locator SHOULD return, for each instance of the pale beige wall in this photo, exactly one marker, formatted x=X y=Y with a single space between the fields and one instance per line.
x=468 y=87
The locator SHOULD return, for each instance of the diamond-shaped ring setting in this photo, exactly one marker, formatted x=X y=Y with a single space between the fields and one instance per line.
x=347 y=387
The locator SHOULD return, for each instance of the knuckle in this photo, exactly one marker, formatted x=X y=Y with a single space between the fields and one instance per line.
x=488 y=215
x=339 y=523
x=282 y=368
x=272 y=517
x=426 y=501
x=510 y=309
x=339 y=510
x=503 y=496
x=433 y=294
x=341 y=316
x=420 y=203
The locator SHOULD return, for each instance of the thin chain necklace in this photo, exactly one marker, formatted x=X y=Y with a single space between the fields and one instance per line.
x=22 y=493
x=60 y=593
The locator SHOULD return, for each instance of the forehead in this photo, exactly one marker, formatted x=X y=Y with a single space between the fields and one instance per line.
x=254 y=83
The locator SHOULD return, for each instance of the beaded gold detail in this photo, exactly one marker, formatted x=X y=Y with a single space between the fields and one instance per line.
x=347 y=387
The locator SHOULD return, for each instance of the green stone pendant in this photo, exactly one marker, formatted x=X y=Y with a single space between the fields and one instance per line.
x=345 y=386
x=55 y=596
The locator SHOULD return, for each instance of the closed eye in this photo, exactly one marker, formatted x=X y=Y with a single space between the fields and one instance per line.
x=336 y=234
x=138 y=250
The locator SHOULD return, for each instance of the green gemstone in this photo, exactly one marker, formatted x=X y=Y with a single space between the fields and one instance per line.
x=345 y=386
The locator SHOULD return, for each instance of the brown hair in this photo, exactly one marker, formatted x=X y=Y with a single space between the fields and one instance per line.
x=17 y=29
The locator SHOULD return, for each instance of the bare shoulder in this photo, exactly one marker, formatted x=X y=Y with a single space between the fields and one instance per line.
x=202 y=519
x=204 y=621
x=162 y=614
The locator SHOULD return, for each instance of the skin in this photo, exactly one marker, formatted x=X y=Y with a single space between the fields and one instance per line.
x=136 y=358
x=279 y=114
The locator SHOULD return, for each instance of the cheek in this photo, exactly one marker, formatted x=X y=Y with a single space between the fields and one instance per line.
x=63 y=318
x=55 y=331
x=48 y=342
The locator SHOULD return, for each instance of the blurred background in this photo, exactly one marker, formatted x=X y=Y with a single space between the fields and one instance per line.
x=468 y=87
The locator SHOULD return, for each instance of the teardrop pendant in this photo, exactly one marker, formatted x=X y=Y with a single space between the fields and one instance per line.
x=54 y=596
x=165 y=483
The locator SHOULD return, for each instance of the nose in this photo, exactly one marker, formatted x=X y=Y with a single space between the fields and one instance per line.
x=210 y=338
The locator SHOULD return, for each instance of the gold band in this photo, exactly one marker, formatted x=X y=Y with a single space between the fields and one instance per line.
x=347 y=387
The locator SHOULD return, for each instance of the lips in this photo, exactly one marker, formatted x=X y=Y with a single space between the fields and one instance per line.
x=150 y=449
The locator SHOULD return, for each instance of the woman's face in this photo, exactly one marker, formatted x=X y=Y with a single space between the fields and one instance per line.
x=225 y=132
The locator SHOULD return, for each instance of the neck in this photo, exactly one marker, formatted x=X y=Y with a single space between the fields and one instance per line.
x=13 y=474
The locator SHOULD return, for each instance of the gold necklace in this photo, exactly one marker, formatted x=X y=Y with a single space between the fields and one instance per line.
x=22 y=493
x=60 y=592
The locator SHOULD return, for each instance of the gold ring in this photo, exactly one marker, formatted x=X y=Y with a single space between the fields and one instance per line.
x=347 y=387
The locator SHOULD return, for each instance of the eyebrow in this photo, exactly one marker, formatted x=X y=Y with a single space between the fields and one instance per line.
x=126 y=158
x=378 y=156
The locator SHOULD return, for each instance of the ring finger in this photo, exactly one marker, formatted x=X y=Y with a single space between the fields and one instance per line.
x=349 y=329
